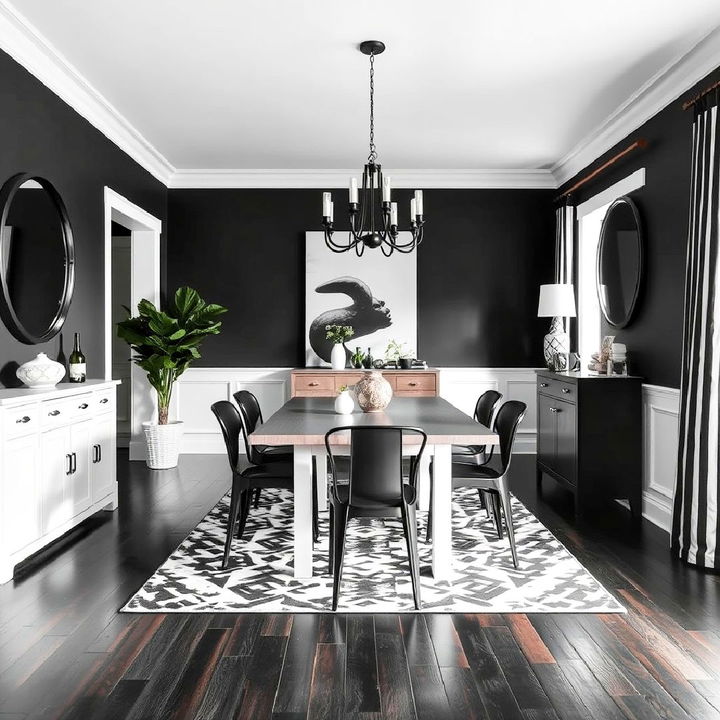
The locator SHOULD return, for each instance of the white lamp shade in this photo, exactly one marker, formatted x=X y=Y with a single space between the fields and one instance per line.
x=556 y=301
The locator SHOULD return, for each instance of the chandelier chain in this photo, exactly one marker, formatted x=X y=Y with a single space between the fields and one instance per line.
x=373 y=152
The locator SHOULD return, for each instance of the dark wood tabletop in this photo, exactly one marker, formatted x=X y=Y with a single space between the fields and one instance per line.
x=304 y=421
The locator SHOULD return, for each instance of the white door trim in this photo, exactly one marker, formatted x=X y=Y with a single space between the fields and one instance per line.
x=145 y=232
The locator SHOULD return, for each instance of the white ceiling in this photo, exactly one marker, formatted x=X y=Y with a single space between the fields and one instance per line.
x=464 y=84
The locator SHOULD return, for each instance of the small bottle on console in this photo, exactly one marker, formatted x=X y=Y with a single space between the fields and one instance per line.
x=77 y=368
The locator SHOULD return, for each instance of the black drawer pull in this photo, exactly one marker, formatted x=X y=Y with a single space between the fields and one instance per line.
x=103 y=401
x=23 y=419
x=68 y=456
x=84 y=406
x=543 y=384
x=566 y=390
x=54 y=413
x=554 y=410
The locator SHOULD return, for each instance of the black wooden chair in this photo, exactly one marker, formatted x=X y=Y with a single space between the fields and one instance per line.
x=376 y=488
x=484 y=414
x=492 y=480
x=258 y=454
x=256 y=477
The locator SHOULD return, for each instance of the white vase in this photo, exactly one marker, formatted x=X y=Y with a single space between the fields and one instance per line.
x=163 y=444
x=344 y=403
x=338 y=357
x=41 y=372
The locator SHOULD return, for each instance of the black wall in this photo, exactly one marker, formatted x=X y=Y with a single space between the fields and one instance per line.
x=44 y=136
x=485 y=254
x=654 y=337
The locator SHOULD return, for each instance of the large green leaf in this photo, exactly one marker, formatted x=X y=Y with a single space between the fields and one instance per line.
x=186 y=302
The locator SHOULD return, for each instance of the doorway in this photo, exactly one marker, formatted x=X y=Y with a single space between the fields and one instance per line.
x=132 y=272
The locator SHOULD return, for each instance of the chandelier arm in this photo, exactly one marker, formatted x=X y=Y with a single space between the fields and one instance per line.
x=335 y=246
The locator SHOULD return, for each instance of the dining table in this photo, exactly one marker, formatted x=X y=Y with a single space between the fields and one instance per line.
x=303 y=422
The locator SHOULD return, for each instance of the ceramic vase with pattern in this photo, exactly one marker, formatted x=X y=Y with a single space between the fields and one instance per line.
x=373 y=392
x=41 y=372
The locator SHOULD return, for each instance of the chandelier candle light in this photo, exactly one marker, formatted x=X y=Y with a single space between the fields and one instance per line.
x=367 y=229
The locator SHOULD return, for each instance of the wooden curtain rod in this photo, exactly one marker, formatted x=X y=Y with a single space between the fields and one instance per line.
x=637 y=144
x=689 y=103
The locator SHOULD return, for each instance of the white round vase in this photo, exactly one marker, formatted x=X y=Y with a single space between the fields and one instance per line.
x=373 y=392
x=163 y=444
x=41 y=372
x=338 y=358
x=344 y=403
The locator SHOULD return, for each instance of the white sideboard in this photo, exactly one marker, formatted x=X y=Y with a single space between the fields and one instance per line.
x=57 y=464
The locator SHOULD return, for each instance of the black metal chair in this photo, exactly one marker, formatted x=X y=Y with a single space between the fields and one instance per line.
x=258 y=454
x=484 y=412
x=376 y=488
x=490 y=480
x=244 y=482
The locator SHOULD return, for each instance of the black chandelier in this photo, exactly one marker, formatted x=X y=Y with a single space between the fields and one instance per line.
x=373 y=224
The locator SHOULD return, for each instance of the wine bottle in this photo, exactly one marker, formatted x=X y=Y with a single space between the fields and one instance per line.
x=77 y=365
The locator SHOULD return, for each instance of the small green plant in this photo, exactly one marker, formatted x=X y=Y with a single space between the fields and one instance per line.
x=342 y=389
x=338 y=333
x=166 y=343
x=357 y=358
x=395 y=350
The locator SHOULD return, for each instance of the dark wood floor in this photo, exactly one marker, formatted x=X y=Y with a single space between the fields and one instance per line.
x=65 y=652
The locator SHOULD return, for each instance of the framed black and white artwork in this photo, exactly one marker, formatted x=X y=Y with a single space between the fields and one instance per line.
x=375 y=294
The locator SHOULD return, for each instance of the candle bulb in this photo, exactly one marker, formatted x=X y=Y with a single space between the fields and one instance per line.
x=419 y=202
x=386 y=189
x=353 y=190
x=393 y=213
x=332 y=210
x=412 y=210
x=327 y=202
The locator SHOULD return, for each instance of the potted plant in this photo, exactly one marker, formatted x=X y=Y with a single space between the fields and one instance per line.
x=164 y=345
x=338 y=334
x=344 y=403
x=400 y=354
x=357 y=358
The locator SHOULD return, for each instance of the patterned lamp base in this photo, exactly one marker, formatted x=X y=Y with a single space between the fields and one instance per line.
x=556 y=341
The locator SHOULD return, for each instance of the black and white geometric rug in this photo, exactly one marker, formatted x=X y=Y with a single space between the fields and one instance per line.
x=376 y=575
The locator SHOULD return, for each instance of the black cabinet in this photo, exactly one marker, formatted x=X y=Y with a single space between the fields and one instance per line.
x=589 y=436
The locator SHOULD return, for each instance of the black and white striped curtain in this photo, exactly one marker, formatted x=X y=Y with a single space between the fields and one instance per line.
x=695 y=514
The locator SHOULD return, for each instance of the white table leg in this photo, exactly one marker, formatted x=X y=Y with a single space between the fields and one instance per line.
x=303 y=540
x=424 y=479
x=322 y=470
x=442 y=513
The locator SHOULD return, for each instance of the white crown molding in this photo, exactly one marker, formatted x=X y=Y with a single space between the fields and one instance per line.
x=27 y=46
x=657 y=93
x=313 y=179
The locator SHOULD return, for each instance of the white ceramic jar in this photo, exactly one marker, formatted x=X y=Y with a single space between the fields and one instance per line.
x=344 y=403
x=41 y=372
x=338 y=357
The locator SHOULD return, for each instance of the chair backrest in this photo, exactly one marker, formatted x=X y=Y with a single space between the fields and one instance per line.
x=507 y=420
x=376 y=473
x=485 y=407
x=230 y=424
x=250 y=416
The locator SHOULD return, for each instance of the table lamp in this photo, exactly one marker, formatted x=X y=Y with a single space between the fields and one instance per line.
x=556 y=301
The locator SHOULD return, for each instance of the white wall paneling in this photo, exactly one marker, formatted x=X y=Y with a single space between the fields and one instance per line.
x=661 y=415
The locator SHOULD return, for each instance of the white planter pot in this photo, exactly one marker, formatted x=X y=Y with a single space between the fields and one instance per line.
x=163 y=444
x=338 y=357
x=344 y=403
x=41 y=372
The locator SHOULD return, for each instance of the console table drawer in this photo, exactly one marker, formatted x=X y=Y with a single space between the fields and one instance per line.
x=557 y=388
x=413 y=384
x=22 y=421
x=319 y=384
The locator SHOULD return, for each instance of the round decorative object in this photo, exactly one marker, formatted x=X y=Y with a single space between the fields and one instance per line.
x=37 y=259
x=338 y=357
x=344 y=403
x=41 y=372
x=619 y=266
x=163 y=444
x=373 y=392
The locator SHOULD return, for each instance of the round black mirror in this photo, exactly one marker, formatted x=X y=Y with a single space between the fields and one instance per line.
x=36 y=259
x=619 y=265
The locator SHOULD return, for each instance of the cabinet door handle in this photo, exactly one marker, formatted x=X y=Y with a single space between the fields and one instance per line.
x=94 y=454
x=74 y=463
x=566 y=390
x=84 y=406
x=23 y=419
x=543 y=384
x=99 y=447
x=313 y=384
x=68 y=456
x=103 y=401
x=412 y=384
x=553 y=410
x=54 y=413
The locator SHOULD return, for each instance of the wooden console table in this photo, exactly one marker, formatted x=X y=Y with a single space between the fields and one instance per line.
x=324 y=382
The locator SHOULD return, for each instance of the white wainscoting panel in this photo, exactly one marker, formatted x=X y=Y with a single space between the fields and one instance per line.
x=463 y=386
x=661 y=415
